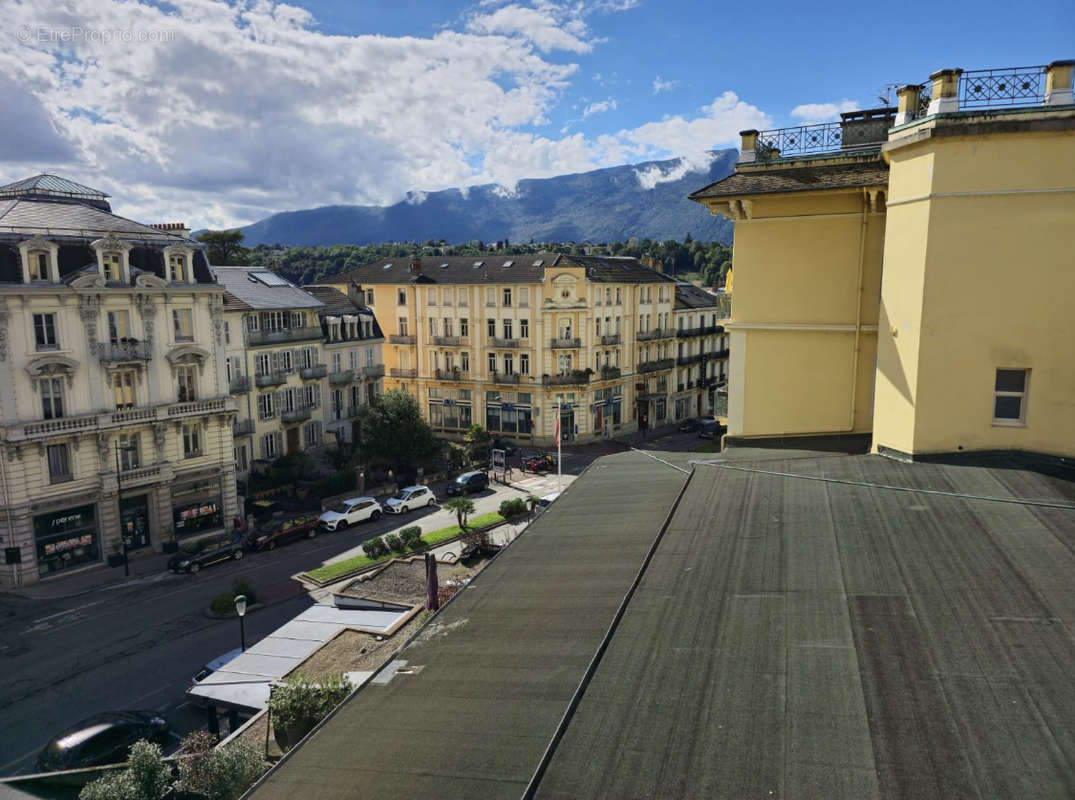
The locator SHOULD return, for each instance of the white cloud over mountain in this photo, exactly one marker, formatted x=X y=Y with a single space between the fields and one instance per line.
x=222 y=114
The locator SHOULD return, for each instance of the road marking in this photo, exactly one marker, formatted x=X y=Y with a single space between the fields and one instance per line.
x=67 y=611
x=159 y=689
x=23 y=757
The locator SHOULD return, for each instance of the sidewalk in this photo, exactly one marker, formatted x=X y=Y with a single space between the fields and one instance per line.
x=149 y=568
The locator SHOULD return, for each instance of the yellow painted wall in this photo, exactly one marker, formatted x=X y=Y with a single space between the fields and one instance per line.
x=978 y=276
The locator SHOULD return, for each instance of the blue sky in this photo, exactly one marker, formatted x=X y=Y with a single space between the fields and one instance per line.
x=220 y=114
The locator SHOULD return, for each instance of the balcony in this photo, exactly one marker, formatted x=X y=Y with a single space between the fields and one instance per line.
x=610 y=339
x=313 y=371
x=682 y=333
x=711 y=329
x=576 y=378
x=505 y=377
x=610 y=373
x=720 y=353
x=376 y=371
x=503 y=343
x=239 y=384
x=270 y=379
x=856 y=131
x=656 y=333
x=304 y=334
x=123 y=351
x=565 y=343
x=400 y=338
x=341 y=378
x=446 y=341
x=298 y=414
x=242 y=428
x=451 y=375
x=654 y=366
x=692 y=358
x=402 y=372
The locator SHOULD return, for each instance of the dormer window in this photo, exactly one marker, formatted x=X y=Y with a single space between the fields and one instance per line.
x=111 y=263
x=40 y=258
x=177 y=268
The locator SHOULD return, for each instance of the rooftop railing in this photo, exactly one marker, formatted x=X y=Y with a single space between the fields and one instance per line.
x=856 y=130
x=1012 y=86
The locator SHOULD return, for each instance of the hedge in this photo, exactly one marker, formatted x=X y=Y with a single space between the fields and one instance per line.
x=329 y=571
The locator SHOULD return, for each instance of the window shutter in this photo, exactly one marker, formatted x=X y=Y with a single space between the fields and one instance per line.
x=317 y=396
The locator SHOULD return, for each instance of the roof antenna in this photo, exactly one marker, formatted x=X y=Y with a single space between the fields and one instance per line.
x=886 y=92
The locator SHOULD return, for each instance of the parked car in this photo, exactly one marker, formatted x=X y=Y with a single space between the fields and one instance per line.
x=411 y=497
x=468 y=482
x=101 y=739
x=547 y=501
x=192 y=556
x=349 y=512
x=508 y=448
x=711 y=429
x=217 y=663
x=281 y=531
x=266 y=509
x=692 y=425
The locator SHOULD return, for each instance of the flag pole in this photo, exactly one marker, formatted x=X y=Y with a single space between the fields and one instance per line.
x=559 y=450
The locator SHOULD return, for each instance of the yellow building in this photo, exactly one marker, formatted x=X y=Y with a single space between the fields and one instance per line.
x=907 y=273
x=501 y=340
x=701 y=351
x=117 y=420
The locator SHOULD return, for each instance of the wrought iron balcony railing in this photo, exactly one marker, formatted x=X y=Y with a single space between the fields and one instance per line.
x=376 y=371
x=400 y=338
x=270 y=378
x=313 y=371
x=118 y=352
x=692 y=358
x=719 y=353
x=1011 y=86
x=242 y=427
x=239 y=384
x=566 y=343
x=451 y=375
x=341 y=378
x=610 y=339
x=297 y=414
x=685 y=332
x=402 y=372
x=659 y=364
x=610 y=373
x=498 y=342
x=856 y=130
x=576 y=378
x=258 y=338
x=446 y=341
x=505 y=377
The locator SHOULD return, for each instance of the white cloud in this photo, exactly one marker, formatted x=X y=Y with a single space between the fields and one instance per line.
x=663 y=86
x=245 y=110
x=813 y=113
x=599 y=107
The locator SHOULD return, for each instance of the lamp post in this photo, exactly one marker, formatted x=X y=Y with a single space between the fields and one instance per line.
x=119 y=497
x=240 y=609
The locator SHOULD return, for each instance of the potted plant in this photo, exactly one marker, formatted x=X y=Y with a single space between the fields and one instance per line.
x=298 y=704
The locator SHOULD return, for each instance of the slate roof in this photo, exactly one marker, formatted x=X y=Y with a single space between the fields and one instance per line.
x=690 y=296
x=254 y=294
x=338 y=303
x=54 y=219
x=779 y=625
x=773 y=180
x=46 y=184
x=501 y=269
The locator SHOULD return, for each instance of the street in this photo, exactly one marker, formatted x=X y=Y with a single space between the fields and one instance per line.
x=136 y=645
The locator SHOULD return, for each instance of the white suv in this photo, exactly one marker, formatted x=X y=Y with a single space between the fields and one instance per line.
x=347 y=512
x=411 y=497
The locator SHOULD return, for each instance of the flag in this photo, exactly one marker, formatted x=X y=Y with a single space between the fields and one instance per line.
x=557 y=430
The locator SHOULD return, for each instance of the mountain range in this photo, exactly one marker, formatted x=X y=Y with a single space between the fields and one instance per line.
x=603 y=205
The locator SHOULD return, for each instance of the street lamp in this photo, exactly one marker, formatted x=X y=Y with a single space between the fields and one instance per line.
x=128 y=447
x=240 y=609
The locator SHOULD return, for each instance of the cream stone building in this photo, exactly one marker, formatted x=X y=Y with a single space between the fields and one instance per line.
x=701 y=351
x=507 y=341
x=872 y=255
x=116 y=417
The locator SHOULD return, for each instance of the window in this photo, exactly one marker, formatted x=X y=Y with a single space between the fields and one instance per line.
x=177 y=268
x=311 y=433
x=619 y=296
x=524 y=363
x=564 y=363
x=288 y=397
x=111 y=263
x=59 y=463
x=447 y=326
x=266 y=405
x=608 y=296
x=464 y=361
x=507 y=295
x=119 y=326
x=286 y=361
x=402 y=326
x=369 y=356
x=369 y=297
x=129 y=452
x=463 y=294
x=192 y=440
x=432 y=326
x=401 y=297
x=298 y=319
x=524 y=297
x=491 y=327
x=431 y=296
x=272 y=321
x=39 y=265
x=123 y=388
x=45 y=332
x=337 y=362
x=187 y=383
x=253 y=323
x=337 y=403
x=227 y=332
x=509 y=364
x=311 y=394
x=306 y=358
x=524 y=329
x=51 y=397
x=597 y=326
x=240 y=458
x=492 y=363
x=270 y=446
x=1009 y=396
x=464 y=327
x=490 y=296
x=183 y=324
x=507 y=329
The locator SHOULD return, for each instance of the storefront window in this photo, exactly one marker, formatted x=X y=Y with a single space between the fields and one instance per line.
x=134 y=520
x=66 y=539
x=196 y=506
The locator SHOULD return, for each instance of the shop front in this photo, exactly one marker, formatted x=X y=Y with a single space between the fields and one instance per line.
x=509 y=413
x=197 y=506
x=66 y=539
x=134 y=520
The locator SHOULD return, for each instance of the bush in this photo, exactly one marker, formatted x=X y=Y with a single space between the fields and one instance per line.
x=411 y=536
x=224 y=604
x=217 y=773
x=298 y=705
x=516 y=507
x=243 y=586
x=146 y=777
x=374 y=548
x=340 y=483
x=395 y=544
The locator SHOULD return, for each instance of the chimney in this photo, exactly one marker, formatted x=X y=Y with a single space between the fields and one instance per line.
x=355 y=293
x=432 y=586
x=416 y=267
x=653 y=263
x=175 y=228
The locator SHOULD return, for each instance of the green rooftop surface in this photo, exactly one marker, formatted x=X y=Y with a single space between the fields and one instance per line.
x=805 y=629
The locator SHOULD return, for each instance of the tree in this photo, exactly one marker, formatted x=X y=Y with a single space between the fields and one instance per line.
x=462 y=507
x=394 y=433
x=226 y=247
x=146 y=777
x=477 y=441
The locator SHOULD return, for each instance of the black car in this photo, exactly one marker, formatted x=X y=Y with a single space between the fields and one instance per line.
x=101 y=739
x=468 y=482
x=508 y=448
x=695 y=424
x=711 y=429
x=195 y=555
